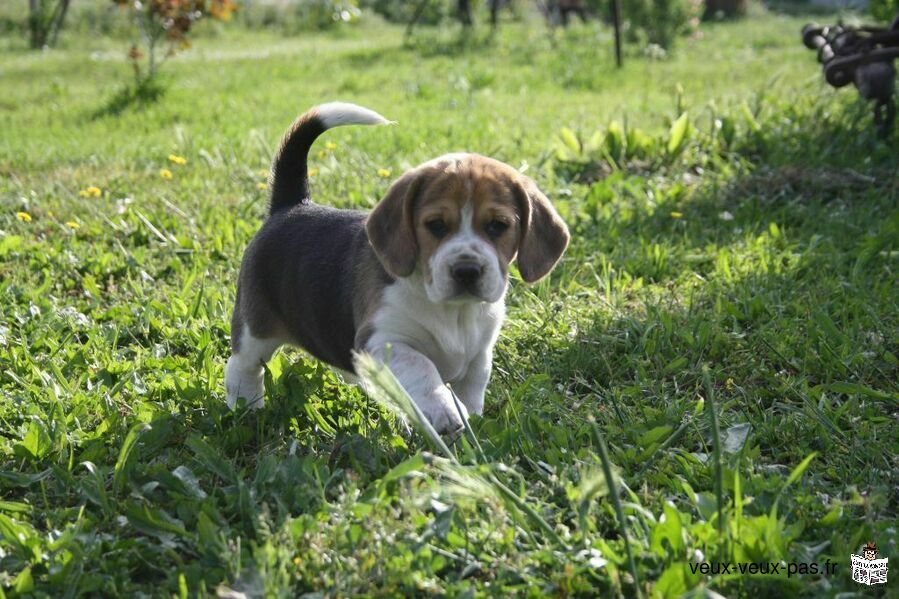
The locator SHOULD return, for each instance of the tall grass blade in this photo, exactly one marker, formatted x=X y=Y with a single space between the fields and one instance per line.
x=616 y=502
x=795 y=474
x=482 y=457
x=716 y=446
x=125 y=462
x=382 y=386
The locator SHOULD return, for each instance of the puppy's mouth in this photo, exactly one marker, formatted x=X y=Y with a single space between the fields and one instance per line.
x=467 y=296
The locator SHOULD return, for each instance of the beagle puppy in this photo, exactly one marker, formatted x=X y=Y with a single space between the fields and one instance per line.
x=419 y=282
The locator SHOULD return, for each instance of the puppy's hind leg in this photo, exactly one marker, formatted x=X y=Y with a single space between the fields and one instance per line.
x=244 y=372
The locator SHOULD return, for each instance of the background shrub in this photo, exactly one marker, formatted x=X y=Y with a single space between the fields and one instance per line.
x=661 y=21
x=884 y=10
x=292 y=16
x=322 y=14
x=401 y=11
x=727 y=9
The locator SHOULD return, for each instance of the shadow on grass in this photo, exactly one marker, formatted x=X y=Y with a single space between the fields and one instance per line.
x=778 y=278
x=819 y=192
x=438 y=42
x=781 y=279
x=140 y=94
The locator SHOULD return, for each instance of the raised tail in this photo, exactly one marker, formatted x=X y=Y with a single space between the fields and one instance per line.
x=290 y=173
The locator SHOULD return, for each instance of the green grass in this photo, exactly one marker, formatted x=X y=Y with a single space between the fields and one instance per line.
x=709 y=374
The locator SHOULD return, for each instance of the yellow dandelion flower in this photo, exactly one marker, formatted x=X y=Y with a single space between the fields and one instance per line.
x=297 y=561
x=331 y=145
x=322 y=153
x=729 y=383
x=23 y=216
x=677 y=215
x=262 y=185
x=383 y=173
x=313 y=172
x=91 y=192
x=50 y=214
x=165 y=173
x=175 y=159
x=73 y=225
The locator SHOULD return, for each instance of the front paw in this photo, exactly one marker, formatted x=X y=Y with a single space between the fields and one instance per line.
x=242 y=383
x=444 y=414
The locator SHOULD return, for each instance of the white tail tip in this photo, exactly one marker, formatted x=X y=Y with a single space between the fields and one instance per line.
x=335 y=114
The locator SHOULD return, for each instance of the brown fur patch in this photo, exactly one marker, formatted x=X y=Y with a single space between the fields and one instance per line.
x=486 y=184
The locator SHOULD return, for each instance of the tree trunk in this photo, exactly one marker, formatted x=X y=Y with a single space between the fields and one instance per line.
x=726 y=8
x=416 y=15
x=34 y=23
x=45 y=19
x=57 y=23
x=463 y=9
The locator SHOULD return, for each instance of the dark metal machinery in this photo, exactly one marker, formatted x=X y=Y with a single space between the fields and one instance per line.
x=863 y=56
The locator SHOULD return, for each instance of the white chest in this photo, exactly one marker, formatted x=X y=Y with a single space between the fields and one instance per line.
x=449 y=335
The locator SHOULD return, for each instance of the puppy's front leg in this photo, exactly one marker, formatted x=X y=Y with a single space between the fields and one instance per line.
x=421 y=380
x=470 y=388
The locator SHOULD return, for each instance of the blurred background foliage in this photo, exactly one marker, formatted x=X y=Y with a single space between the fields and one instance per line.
x=646 y=22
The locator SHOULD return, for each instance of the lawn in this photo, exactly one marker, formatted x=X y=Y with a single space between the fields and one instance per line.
x=721 y=336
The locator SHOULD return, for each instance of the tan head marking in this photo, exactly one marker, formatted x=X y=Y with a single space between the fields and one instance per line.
x=462 y=219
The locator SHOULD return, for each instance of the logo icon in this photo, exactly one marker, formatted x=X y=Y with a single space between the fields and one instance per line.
x=866 y=568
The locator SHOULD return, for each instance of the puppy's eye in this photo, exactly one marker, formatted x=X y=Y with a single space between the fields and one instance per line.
x=437 y=227
x=495 y=228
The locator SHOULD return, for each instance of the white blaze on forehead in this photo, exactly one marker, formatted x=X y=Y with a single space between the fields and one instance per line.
x=466 y=221
x=450 y=162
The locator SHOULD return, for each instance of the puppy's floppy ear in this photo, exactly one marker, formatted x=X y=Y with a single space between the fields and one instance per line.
x=390 y=229
x=544 y=235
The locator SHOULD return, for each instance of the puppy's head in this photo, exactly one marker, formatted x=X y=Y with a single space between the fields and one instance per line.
x=459 y=221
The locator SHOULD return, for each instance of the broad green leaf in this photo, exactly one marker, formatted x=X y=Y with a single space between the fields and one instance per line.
x=404 y=468
x=570 y=140
x=154 y=522
x=208 y=531
x=10 y=243
x=186 y=476
x=211 y=459
x=19 y=479
x=675 y=365
x=639 y=144
x=127 y=456
x=798 y=470
x=653 y=435
x=678 y=134
x=728 y=130
x=857 y=389
x=668 y=534
x=615 y=141
x=15 y=507
x=24 y=582
x=750 y=119
x=36 y=443
x=831 y=517
x=735 y=437
x=94 y=486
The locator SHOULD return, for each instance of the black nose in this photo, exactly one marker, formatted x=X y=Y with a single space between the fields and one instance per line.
x=466 y=273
